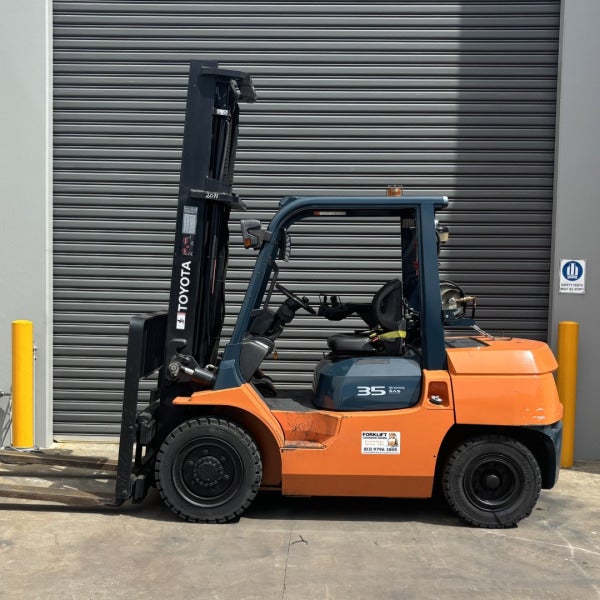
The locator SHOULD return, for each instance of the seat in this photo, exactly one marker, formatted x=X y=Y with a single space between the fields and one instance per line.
x=388 y=309
x=350 y=343
x=388 y=305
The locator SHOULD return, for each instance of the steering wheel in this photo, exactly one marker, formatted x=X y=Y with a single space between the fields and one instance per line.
x=302 y=302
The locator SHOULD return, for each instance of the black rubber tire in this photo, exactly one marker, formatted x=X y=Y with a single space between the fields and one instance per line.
x=208 y=470
x=492 y=481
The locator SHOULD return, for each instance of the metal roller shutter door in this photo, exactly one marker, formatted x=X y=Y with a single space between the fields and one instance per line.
x=454 y=98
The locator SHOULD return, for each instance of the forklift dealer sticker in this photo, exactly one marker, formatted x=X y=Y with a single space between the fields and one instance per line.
x=380 y=442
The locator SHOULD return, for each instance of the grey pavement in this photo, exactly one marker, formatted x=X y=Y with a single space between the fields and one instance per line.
x=297 y=548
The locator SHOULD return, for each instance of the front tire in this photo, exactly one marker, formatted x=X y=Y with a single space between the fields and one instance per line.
x=208 y=470
x=492 y=481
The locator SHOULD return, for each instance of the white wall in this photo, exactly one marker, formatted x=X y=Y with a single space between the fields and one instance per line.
x=577 y=205
x=25 y=196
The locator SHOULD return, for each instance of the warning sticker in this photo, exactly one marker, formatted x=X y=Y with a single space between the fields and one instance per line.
x=380 y=442
x=187 y=244
x=190 y=220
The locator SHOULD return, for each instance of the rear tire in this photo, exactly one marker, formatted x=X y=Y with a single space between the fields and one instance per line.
x=492 y=481
x=208 y=470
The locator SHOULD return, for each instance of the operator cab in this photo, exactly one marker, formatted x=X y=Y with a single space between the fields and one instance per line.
x=375 y=368
x=379 y=366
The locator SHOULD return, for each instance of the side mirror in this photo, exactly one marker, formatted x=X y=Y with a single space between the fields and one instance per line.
x=253 y=234
x=442 y=233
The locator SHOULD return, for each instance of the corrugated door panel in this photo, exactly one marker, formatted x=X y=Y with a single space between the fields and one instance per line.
x=447 y=97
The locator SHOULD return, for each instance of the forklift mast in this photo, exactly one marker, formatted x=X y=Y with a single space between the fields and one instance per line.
x=178 y=343
x=195 y=315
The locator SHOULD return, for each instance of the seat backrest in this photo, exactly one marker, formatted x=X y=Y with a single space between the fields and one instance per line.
x=388 y=305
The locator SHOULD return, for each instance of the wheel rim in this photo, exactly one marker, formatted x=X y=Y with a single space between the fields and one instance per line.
x=207 y=472
x=493 y=482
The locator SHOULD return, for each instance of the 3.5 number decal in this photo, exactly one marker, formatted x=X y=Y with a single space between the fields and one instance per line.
x=370 y=390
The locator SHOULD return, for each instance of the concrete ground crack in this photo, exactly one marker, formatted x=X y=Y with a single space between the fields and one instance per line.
x=574 y=562
x=287 y=558
x=299 y=541
x=567 y=545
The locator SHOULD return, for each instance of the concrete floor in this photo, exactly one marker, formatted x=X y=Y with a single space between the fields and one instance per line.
x=299 y=548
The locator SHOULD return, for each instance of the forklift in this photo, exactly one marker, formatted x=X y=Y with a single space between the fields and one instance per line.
x=397 y=409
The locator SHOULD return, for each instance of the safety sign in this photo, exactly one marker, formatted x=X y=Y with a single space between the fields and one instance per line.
x=572 y=276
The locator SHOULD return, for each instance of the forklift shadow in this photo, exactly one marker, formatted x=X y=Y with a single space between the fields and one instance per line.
x=271 y=505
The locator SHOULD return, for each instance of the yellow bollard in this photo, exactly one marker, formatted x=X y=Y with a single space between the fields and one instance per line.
x=22 y=385
x=566 y=381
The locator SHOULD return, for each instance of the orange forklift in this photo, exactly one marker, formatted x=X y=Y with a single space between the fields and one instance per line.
x=395 y=409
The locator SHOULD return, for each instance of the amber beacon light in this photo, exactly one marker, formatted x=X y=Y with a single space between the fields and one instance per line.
x=393 y=190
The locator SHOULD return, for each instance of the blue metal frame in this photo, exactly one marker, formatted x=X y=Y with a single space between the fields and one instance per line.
x=293 y=209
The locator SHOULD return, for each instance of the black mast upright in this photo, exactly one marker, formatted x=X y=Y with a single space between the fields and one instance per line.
x=196 y=304
x=186 y=337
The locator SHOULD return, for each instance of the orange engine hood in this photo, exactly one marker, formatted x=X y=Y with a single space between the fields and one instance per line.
x=507 y=356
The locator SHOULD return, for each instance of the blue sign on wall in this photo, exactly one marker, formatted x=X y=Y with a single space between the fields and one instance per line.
x=572 y=276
